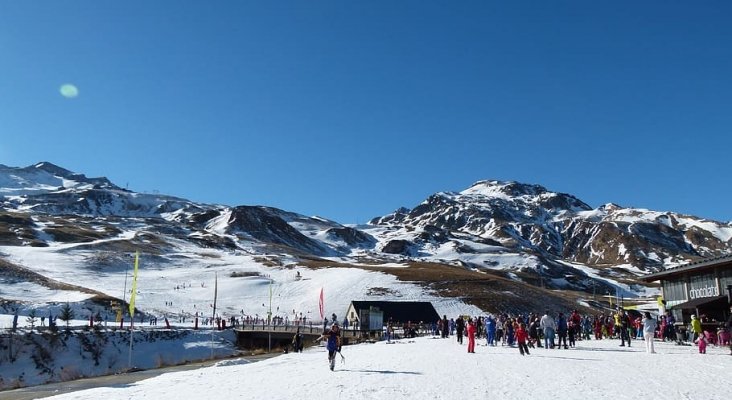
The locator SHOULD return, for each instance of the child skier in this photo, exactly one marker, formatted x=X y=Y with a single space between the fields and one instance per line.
x=702 y=342
x=521 y=336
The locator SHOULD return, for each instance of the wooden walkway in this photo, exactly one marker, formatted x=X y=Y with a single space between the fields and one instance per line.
x=280 y=336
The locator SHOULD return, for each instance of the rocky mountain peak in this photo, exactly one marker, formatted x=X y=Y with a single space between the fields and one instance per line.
x=529 y=195
x=51 y=168
x=44 y=177
x=493 y=188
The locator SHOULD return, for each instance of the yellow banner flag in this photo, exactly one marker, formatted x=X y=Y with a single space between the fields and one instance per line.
x=134 y=286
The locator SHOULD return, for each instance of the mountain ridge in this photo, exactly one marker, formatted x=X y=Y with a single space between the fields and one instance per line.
x=522 y=232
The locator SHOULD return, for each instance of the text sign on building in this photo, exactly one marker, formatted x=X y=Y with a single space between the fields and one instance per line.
x=708 y=291
x=703 y=286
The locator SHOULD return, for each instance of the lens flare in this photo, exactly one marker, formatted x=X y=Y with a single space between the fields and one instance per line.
x=69 y=91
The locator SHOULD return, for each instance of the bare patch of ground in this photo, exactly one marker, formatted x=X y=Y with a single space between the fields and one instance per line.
x=487 y=290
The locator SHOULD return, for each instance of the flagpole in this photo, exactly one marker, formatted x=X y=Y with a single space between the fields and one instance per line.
x=124 y=292
x=269 y=317
x=129 y=358
x=132 y=305
x=213 y=318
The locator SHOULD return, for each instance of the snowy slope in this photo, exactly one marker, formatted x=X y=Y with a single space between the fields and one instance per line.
x=442 y=369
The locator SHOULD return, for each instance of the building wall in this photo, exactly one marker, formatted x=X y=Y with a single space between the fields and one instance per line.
x=690 y=286
x=725 y=279
x=694 y=285
x=674 y=291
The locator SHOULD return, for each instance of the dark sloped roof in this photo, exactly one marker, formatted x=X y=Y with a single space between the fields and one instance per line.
x=402 y=311
x=696 y=265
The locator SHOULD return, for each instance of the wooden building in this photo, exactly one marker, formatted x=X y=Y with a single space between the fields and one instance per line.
x=372 y=315
x=701 y=288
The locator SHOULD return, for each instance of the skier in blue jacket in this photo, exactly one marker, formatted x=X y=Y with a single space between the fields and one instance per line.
x=490 y=331
x=333 y=344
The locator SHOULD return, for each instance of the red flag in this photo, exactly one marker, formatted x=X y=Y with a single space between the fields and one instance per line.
x=320 y=304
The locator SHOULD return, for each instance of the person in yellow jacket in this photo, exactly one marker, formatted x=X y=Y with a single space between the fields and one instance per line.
x=616 y=327
x=696 y=327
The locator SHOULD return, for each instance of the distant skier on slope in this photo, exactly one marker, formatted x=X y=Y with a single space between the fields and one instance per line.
x=297 y=341
x=333 y=335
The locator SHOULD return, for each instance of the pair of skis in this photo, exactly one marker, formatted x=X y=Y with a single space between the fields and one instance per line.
x=332 y=361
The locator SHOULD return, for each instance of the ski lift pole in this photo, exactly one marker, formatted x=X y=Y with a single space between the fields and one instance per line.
x=213 y=318
x=132 y=329
x=269 y=319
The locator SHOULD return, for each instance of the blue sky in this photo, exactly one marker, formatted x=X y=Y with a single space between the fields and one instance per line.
x=349 y=110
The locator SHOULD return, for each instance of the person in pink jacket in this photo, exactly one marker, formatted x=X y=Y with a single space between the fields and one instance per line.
x=702 y=342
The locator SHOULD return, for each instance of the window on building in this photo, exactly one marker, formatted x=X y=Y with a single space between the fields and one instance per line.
x=674 y=291
x=725 y=278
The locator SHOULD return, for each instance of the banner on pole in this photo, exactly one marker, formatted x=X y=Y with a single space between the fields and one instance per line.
x=321 y=306
x=134 y=286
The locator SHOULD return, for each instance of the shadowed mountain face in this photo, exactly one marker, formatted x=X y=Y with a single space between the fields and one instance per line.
x=525 y=232
x=262 y=225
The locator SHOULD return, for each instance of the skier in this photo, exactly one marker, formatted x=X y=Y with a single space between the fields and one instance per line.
x=509 y=331
x=649 y=328
x=297 y=341
x=534 y=333
x=490 y=331
x=624 y=324
x=333 y=335
x=521 y=337
x=460 y=327
x=548 y=325
x=471 y=335
x=562 y=329
x=575 y=320
x=670 y=328
x=696 y=327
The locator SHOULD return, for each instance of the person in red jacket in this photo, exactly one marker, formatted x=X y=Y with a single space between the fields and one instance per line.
x=576 y=320
x=471 y=336
x=521 y=336
x=598 y=327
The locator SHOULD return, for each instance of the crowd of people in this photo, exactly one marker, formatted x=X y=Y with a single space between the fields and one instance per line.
x=560 y=331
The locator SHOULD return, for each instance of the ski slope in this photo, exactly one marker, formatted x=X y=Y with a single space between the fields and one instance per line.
x=433 y=368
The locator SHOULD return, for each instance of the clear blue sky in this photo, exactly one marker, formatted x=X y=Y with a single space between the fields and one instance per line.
x=350 y=109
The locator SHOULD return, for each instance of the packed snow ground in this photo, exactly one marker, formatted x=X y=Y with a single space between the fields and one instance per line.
x=434 y=368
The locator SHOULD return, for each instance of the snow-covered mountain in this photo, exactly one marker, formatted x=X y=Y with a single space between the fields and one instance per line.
x=559 y=226
x=506 y=236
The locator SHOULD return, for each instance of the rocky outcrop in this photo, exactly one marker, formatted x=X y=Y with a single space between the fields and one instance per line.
x=351 y=237
x=403 y=247
x=259 y=224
